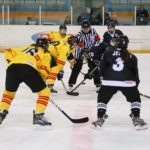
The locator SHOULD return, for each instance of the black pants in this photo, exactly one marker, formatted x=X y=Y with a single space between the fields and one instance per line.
x=106 y=92
x=77 y=68
x=18 y=73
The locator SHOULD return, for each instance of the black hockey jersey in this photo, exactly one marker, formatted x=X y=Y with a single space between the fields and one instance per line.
x=116 y=72
x=108 y=36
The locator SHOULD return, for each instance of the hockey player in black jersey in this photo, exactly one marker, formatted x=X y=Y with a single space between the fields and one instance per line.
x=119 y=72
x=112 y=33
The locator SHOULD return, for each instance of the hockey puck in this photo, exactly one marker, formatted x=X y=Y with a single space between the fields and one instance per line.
x=73 y=93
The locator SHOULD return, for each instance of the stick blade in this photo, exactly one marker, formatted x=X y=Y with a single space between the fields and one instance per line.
x=73 y=93
x=81 y=120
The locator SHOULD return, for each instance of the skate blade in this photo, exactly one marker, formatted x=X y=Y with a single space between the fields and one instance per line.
x=40 y=127
x=92 y=126
x=139 y=128
x=54 y=94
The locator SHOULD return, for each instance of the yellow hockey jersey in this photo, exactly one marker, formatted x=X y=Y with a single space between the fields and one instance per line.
x=55 y=36
x=12 y=52
x=61 y=51
x=34 y=57
x=60 y=54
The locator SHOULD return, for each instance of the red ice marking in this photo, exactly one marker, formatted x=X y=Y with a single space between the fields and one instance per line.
x=82 y=137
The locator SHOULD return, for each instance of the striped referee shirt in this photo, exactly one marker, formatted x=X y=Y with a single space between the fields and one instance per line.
x=87 y=40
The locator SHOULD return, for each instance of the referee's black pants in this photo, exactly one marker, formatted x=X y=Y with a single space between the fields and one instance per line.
x=77 y=68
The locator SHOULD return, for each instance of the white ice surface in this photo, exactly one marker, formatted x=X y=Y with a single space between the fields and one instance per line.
x=118 y=133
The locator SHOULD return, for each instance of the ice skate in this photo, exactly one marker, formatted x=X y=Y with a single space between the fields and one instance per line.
x=53 y=91
x=40 y=121
x=99 y=122
x=138 y=123
x=3 y=114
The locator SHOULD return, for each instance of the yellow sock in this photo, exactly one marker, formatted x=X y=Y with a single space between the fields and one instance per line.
x=42 y=101
x=6 y=100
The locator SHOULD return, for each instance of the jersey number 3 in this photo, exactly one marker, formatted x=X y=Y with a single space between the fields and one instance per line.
x=119 y=65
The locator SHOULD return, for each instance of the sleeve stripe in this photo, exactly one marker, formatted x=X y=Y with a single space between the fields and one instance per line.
x=60 y=62
x=44 y=68
x=37 y=57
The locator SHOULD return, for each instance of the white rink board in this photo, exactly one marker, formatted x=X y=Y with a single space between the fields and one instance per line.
x=16 y=35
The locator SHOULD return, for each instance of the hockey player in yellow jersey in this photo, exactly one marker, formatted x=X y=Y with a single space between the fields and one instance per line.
x=61 y=54
x=31 y=66
x=60 y=36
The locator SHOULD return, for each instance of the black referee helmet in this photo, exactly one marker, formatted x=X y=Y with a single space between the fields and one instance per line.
x=85 y=24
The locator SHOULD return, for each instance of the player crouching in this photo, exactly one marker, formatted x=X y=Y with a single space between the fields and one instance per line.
x=30 y=66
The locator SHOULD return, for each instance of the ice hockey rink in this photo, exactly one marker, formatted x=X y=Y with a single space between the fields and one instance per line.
x=118 y=133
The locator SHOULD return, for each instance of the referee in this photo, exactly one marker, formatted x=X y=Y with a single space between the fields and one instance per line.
x=88 y=39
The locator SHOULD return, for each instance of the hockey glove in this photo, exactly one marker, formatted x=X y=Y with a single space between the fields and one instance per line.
x=88 y=76
x=60 y=75
x=97 y=62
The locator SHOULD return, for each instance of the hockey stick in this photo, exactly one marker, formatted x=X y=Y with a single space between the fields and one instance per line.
x=144 y=95
x=80 y=120
x=83 y=80
x=72 y=93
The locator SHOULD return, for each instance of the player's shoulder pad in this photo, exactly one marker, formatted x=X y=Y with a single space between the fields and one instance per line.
x=132 y=56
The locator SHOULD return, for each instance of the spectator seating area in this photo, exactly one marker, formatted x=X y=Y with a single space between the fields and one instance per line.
x=124 y=10
x=55 y=11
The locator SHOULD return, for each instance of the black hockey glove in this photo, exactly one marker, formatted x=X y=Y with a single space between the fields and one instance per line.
x=97 y=62
x=60 y=75
x=88 y=76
